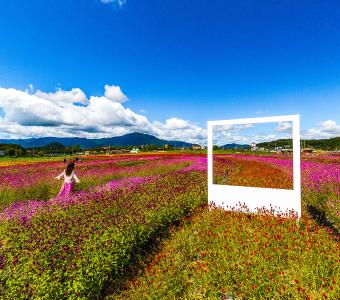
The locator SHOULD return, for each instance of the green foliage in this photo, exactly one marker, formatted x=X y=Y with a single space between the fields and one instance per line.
x=12 y=150
x=41 y=153
x=324 y=144
x=330 y=144
x=283 y=143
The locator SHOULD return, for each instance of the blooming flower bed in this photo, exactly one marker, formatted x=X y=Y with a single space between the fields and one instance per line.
x=72 y=247
x=36 y=181
x=230 y=255
x=75 y=247
x=320 y=178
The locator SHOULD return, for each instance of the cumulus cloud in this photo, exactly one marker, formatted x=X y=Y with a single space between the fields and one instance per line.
x=179 y=129
x=239 y=134
x=58 y=113
x=114 y=93
x=232 y=128
x=118 y=2
x=284 y=127
x=60 y=96
x=325 y=129
x=40 y=114
x=71 y=113
x=228 y=137
x=30 y=88
x=28 y=110
x=230 y=134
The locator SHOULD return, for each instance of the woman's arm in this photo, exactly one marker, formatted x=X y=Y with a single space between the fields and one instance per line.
x=59 y=176
x=76 y=178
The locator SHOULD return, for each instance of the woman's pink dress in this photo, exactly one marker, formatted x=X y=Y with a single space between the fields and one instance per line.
x=66 y=189
x=68 y=185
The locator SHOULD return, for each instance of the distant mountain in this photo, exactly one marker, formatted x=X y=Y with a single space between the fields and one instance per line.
x=54 y=146
x=235 y=146
x=130 y=139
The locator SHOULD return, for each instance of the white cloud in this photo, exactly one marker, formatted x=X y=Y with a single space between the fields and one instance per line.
x=230 y=134
x=60 y=96
x=30 y=89
x=284 y=127
x=228 y=137
x=181 y=130
x=58 y=114
x=114 y=93
x=232 y=128
x=325 y=129
x=118 y=2
x=263 y=138
x=28 y=110
x=38 y=114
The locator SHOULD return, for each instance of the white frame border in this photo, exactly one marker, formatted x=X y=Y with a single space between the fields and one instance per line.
x=227 y=196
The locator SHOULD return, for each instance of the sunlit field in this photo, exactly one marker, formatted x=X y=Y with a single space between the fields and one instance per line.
x=320 y=177
x=138 y=227
x=255 y=171
x=230 y=255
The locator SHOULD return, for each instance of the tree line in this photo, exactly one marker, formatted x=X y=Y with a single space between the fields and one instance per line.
x=331 y=144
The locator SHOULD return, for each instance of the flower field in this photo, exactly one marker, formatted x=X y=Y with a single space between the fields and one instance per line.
x=33 y=180
x=80 y=247
x=231 y=255
x=320 y=178
x=71 y=248
x=258 y=171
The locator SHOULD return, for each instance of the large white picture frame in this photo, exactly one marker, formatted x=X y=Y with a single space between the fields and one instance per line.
x=227 y=196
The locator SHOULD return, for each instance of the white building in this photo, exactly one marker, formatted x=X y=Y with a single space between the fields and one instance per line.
x=135 y=150
x=196 y=147
x=2 y=153
x=253 y=146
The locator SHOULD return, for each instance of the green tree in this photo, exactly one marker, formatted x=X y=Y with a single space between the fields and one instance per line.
x=41 y=153
x=18 y=152
x=11 y=152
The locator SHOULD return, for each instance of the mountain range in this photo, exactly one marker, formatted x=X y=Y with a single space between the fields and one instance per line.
x=130 y=139
x=235 y=146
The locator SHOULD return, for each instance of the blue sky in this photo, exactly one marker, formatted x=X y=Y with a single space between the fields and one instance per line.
x=178 y=64
x=251 y=133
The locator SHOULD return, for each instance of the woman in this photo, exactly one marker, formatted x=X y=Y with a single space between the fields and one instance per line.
x=70 y=178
